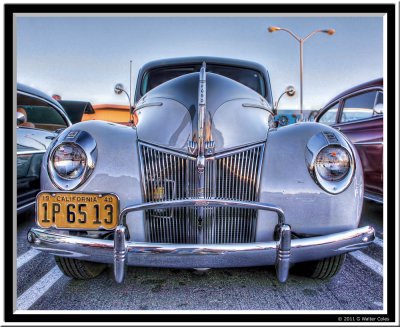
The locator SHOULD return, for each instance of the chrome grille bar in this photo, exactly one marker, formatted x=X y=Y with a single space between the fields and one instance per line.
x=167 y=175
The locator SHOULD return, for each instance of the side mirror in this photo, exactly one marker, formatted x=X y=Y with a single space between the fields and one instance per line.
x=290 y=90
x=21 y=118
x=119 y=88
x=378 y=109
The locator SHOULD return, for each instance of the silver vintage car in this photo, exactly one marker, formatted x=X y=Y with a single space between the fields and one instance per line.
x=202 y=181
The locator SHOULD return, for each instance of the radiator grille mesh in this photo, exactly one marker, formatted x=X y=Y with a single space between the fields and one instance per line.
x=172 y=176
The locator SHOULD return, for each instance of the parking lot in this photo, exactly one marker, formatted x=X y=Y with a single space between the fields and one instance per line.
x=359 y=285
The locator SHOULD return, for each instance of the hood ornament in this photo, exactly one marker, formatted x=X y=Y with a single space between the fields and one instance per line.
x=201 y=160
x=201 y=109
x=204 y=145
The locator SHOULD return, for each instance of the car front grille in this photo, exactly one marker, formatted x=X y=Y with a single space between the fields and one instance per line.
x=169 y=175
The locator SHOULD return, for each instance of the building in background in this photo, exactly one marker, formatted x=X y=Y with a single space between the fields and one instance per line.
x=110 y=112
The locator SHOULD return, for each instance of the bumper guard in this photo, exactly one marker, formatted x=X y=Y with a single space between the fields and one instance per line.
x=121 y=252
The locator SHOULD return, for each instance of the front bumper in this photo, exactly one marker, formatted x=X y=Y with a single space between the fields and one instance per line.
x=121 y=252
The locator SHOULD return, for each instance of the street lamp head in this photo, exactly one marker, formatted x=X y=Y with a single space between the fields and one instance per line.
x=330 y=31
x=290 y=91
x=273 y=29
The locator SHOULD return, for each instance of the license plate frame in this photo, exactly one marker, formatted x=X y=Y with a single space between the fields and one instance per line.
x=58 y=220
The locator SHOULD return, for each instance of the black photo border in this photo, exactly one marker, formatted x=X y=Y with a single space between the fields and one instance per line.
x=391 y=143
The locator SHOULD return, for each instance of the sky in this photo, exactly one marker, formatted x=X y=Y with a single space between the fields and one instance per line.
x=82 y=58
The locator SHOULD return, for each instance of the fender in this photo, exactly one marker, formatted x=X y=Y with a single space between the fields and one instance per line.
x=286 y=182
x=117 y=168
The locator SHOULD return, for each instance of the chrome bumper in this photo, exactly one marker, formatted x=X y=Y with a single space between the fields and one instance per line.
x=122 y=253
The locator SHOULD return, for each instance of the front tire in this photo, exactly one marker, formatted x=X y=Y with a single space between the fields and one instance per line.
x=320 y=269
x=79 y=269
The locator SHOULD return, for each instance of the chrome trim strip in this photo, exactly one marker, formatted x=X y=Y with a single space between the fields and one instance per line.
x=260 y=165
x=368 y=143
x=144 y=105
x=201 y=111
x=200 y=255
x=202 y=203
x=375 y=198
x=238 y=150
x=258 y=106
x=25 y=207
x=142 y=173
x=352 y=122
x=188 y=156
x=30 y=152
x=166 y=150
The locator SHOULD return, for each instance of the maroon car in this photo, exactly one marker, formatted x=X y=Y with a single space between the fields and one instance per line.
x=358 y=113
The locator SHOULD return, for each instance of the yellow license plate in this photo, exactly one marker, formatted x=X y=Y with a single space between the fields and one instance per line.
x=77 y=210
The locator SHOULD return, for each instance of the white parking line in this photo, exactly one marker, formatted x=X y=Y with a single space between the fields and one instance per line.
x=368 y=261
x=23 y=259
x=31 y=295
x=378 y=242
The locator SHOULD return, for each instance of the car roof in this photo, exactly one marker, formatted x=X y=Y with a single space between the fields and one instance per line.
x=35 y=92
x=373 y=83
x=196 y=60
x=28 y=89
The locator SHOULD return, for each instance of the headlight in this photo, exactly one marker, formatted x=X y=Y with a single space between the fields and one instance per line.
x=330 y=161
x=72 y=159
x=333 y=163
x=69 y=161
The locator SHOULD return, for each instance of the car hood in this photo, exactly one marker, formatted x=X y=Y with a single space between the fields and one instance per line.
x=235 y=114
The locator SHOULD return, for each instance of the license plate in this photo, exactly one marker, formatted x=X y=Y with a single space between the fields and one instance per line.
x=77 y=210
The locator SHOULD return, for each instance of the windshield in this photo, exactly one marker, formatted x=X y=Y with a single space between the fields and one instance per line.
x=249 y=77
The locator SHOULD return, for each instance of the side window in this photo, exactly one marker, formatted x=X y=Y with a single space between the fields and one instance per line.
x=359 y=107
x=35 y=113
x=329 y=117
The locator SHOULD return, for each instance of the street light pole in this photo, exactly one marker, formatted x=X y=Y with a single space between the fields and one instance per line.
x=301 y=80
x=301 y=41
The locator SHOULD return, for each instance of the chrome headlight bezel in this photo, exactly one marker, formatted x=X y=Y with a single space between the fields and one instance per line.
x=85 y=142
x=321 y=142
x=329 y=154
x=80 y=167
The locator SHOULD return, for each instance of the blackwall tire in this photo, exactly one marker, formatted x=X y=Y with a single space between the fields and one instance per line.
x=79 y=269
x=321 y=269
